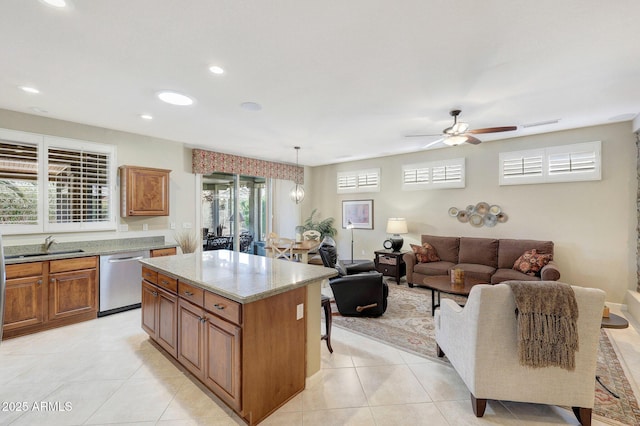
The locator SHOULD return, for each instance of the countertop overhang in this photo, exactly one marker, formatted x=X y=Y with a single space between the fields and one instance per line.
x=241 y=277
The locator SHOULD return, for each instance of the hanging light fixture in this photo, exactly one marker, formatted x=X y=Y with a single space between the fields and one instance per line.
x=297 y=192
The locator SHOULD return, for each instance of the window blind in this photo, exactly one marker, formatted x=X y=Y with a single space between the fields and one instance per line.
x=359 y=181
x=78 y=186
x=435 y=174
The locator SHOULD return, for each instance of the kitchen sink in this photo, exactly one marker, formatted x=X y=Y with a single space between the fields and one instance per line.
x=51 y=253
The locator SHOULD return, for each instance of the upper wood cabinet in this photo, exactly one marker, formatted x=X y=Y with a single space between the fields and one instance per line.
x=144 y=191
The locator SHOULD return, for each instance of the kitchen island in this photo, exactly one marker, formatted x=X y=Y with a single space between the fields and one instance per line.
x=246 y=326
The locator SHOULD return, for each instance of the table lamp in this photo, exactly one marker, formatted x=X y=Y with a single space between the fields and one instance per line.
x=396 y=226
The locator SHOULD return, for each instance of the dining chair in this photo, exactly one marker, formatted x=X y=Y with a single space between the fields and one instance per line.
x=282 y=248
x=311 y=234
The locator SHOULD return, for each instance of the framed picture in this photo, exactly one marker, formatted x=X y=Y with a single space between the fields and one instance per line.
x=359 y=213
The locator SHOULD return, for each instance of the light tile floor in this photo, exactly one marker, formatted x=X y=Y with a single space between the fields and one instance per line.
x=109 y=373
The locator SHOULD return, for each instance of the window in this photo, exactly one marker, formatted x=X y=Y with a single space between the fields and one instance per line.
x=566 y=163
x=54 y=185
x=434 y=175
x=359 y=181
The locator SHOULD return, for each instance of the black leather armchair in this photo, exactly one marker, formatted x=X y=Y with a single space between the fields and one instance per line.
x=329 y=257
x=361 y=294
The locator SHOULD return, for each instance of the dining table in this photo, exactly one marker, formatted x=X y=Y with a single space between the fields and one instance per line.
x=301 y=248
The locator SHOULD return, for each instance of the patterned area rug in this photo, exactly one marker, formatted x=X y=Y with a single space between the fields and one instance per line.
x=408 y=324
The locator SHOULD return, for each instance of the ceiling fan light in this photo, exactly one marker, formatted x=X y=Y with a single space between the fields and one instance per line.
x=459 y=127
x=455 y=140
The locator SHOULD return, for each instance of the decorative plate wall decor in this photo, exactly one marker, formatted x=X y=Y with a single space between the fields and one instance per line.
x=481 y=214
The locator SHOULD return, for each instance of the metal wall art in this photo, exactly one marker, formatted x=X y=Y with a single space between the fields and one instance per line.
x=482 y=214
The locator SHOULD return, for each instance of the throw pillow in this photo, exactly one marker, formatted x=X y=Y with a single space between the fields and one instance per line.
x=531 y=262
x=425 y=253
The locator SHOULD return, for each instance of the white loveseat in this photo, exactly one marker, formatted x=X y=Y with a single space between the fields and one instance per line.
x=480 y=341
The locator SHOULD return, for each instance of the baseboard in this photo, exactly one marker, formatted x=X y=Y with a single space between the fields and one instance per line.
x=632 y=301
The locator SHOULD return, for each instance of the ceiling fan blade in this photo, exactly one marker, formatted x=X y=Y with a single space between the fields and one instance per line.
x=429 y=145
x=492 y=130
x=472 y=140
x=421 y=136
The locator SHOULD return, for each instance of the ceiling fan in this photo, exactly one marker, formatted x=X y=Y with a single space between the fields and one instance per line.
x=459 y=132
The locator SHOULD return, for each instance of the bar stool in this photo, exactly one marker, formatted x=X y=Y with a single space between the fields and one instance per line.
x=325 y=302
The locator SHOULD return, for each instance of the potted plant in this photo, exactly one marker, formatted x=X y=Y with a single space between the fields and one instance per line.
x=325 y=226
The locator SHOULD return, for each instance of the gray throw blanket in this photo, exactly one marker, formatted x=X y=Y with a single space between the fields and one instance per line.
x=547 y=315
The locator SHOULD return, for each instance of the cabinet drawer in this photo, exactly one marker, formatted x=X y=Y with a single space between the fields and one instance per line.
x=193 y=294
x=223 y=307
x=163 y=252
x=75 y=264
x=167 y=283
x=387 y=270
x=21 y=270
x=149 y=275
x=387 y=260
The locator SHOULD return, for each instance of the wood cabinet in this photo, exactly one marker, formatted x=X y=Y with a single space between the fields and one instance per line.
x=24 y=296
x=73 y=287
x=222 y=371
x=209 y=347
x=43 y=295
x=163 y=252
x=144 y=191
x=159 y=309
x=252 y=356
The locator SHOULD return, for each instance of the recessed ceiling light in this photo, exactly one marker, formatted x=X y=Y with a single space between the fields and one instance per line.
x=146 y=117
x=216 y=69
x=56 y=3
x=29 y=89
x=251 y=106
x=175 y=98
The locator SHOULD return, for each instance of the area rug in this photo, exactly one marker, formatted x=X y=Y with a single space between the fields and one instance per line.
x=408 y=325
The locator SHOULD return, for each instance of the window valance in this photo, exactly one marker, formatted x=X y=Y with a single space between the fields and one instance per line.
x=206 y=162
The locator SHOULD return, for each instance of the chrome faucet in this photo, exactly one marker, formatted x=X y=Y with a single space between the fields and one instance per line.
x=48 y=242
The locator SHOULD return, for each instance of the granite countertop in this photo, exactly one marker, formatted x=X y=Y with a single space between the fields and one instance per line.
x=237 y=276
x=88 y=248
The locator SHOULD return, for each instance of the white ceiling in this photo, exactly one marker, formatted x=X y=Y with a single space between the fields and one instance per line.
x=344 y=80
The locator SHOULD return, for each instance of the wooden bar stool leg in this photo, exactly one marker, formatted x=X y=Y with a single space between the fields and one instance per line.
x=326 y=305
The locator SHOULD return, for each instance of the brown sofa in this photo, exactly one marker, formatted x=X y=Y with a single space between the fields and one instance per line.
x=488 y=259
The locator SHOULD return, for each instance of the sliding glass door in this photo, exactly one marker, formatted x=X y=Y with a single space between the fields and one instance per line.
x=234 y=212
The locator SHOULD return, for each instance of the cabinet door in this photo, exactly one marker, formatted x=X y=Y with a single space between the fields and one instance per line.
x=149 y=308
x=72 y=293
x=191 y=337
x=24 y=304
x=167 y=327
x=145 y=191
x=223 y=368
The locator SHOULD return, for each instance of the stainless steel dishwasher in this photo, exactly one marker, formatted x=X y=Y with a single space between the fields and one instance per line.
x=120 y=282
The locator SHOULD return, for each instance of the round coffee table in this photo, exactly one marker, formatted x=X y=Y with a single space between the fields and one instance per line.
x=442 y=284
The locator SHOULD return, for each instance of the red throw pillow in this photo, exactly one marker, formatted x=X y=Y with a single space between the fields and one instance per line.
x=531 y=262
x=425 y=253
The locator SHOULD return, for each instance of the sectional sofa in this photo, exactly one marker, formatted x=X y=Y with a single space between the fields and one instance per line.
x=488 y=259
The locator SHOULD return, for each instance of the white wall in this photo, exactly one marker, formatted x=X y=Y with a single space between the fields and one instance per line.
x=132 y=149
x=593 y=224
x=286 y=213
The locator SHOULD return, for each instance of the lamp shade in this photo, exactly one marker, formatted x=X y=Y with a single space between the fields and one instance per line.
x=397 y=225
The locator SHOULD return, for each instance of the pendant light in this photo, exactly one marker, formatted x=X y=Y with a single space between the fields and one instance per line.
x=297 y=192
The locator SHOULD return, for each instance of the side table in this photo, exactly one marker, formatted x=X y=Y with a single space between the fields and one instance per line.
x=390 y=263
x=614 y=321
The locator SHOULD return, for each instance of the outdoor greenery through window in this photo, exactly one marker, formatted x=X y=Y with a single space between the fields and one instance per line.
x=50 y=184
x=18 y=183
